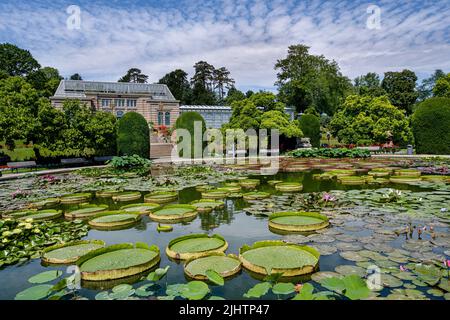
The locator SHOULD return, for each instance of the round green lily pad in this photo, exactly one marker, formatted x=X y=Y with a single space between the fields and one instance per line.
x=18 y=214
x=86 y=212
x=114 y=220
x=207 y=205
x=256 y=195
x=34 y=293
x=42 y=215
x=297 y=221
x=47 y=203
x=161 y=197
x=216 y=194
x=75 y=198
x=107 y=193
x=266 y=257
x=142 y=208
x=174 y=213
x=289 y=187
x=70 y=252
x=126 y=196
x=117 y=261
x=225 y=266
x=274 y=182
x=249 y=183
x=404 y=179
x=195 y=246
x=352 y=180
x=408 y=172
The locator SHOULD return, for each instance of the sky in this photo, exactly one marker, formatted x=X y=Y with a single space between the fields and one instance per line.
x=101 y=40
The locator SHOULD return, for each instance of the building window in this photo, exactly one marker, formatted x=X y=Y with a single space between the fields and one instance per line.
x=167 y=119
x=120 y=102
x=131 y=103
x=106 y=103
x=160 y=118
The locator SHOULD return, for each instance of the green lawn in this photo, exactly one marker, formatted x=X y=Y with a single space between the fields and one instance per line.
x=22 y=152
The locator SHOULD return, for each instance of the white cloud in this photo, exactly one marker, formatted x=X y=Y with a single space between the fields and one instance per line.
x=245 y=36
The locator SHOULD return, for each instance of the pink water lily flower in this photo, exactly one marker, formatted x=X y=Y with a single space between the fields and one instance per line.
x=328 y=197
x=403 y=269
x=298 y=287
x=447 y=263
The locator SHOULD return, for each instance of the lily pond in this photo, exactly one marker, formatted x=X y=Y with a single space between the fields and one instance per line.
x=318 y=229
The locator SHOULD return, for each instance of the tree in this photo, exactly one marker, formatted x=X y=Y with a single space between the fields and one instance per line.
x=267 y=101
x=203 y=74
x=45 y=80
x=234 y=95
x=19 y=105
x=222 y=81
x=369 y=84
x=275 y=119
x=15 y=61
x=76 y=131
x=305 y=80
x=401 y=89
x=75 y=76
x=425 y=90
x=245 y=116
x=366 y=120
x=134 y=75
x=187 y=121
x=442 y=87
x=202 y=95
x=133 y=136
x=178 y=84
x=310 y=125
x=430 y=124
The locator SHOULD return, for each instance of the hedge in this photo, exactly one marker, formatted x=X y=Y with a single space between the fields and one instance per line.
x=431 y=126
x=186 y=121
x=133 y=136
x=310 y=125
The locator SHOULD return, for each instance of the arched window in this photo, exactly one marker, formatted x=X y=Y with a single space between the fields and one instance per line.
x=160 y=118
x=167 y=119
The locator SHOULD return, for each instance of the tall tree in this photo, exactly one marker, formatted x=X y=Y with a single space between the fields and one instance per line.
x=369 y=84
x=401 y=89
x=305 y=79
x=76 y=76
x=134 y=75
x=234 y=95
x=442 y=87
x=202 y=95
x=426 y=88
x=222 y=81
x=203 y=74
x=15 y=61
x=178 y=83
x=45 y=80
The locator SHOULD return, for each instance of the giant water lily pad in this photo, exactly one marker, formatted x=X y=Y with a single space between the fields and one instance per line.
x=404 y=179
x=216 y=194
x=352 y=180
x=256 y=195
x=141 y=208
x=75 y=198
x=207 y=205
x=42 y=215
x=118 y=261
x=225 y=266
x=174 y=213
x=70 y=252
x=289 y=187
x=161 y=197
x=86 y=212
x=107 y=193
x=47 y=203
x=127 y=196
x=267 y=257
x=114 y=220
x=195 y=246
x=249 y=183
x=297 y=221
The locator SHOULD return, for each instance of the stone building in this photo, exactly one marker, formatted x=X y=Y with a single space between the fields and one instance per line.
x=154 y=101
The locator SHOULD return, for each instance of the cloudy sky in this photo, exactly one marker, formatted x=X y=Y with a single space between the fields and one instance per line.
x=247 y=37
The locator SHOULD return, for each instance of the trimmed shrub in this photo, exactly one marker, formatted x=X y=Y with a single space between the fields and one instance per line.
x=431 y=126
x=133 y=136
x=310 y=125
x=187 y=121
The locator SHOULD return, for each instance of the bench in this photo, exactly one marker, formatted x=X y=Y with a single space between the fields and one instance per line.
x=103 y=159
x=74 y=162
x=15 y=166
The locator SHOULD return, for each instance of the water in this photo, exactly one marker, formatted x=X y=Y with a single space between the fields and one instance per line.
x=232 y=223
